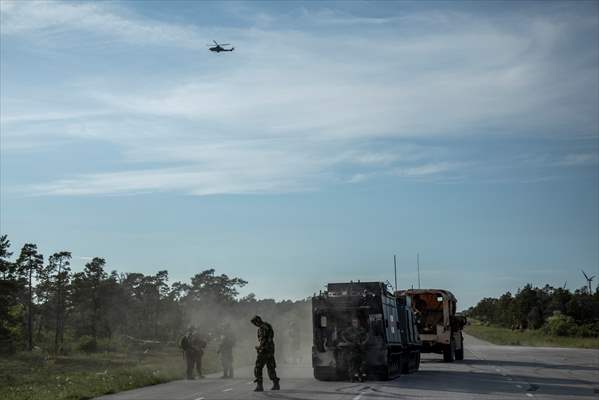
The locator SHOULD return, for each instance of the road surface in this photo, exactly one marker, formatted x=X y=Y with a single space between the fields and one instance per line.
x=488 y=372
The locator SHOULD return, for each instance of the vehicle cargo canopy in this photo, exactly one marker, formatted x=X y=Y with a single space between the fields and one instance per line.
x=434 y=306
x=432 y=299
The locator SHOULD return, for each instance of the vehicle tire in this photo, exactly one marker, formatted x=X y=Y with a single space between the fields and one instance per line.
x=449 y=351
x=404 y=363
x=459 y=354
x=383 y=374
x=325 y=375
x=417 y=364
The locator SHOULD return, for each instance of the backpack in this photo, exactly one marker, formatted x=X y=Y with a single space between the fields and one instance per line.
x=184 y=343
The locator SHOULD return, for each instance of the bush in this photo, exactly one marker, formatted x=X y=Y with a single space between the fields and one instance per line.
x=559 y=325
x=586 y=330
x=87 y=344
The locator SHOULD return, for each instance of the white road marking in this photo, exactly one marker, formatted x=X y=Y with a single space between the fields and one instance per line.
x=228 y=390
x=358 y=397
x=200 y=398
x=519 y=386
x=529 y=394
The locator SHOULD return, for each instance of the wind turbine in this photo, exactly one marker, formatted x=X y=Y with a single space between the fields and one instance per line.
x=589 y=280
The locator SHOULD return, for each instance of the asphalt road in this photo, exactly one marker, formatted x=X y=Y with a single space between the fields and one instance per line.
x=488 y=372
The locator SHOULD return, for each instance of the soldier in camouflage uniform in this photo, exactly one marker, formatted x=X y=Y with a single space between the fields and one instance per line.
x=354 y=339
x=225 y=350
x=265 y=354
x=193 y=346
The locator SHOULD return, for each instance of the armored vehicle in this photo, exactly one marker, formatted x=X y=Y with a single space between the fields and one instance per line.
x=439 y=326
x=390 y=346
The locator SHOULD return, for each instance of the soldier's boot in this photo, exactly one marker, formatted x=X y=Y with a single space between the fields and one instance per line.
x=259 y=387
x=275 y=385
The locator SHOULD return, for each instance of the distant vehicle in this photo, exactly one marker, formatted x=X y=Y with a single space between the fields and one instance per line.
x=392 y=346
x=219 y=47
x=439 y=326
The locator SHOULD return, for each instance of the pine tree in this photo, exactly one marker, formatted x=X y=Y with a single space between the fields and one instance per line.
x=29 y=265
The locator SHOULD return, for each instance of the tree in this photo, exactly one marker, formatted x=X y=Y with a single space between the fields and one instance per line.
x=7 y=269
x=10 y=310
x=87 y=296
x=206 y=287
x=55 y=279
x=29 y=265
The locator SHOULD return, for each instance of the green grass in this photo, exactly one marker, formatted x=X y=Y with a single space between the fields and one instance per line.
x=537 y=338
x=35 y=376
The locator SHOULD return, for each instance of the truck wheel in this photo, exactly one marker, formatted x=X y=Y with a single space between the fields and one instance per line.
x=459 y=354
x=449 y=351
x=383 y=374
x=326 y=375
x=404 y=363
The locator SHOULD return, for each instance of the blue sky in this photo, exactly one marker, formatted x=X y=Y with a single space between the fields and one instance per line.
x=334 y=136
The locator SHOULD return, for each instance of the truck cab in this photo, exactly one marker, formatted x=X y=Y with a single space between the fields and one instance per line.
x=439 y=326
x=391 y=345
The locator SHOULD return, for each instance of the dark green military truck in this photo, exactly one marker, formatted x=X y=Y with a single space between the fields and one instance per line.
x=391 y=345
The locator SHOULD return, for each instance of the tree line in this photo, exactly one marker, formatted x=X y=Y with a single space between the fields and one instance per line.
x=557 y=311
x=43 y=303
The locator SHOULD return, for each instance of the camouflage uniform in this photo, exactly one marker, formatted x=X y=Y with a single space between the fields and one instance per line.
x=265 y=353
x=193 y=345
x=226 y=354
x=355 y=358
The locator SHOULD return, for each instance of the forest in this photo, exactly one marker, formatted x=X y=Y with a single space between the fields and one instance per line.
x=553 y=311
x=45 y=306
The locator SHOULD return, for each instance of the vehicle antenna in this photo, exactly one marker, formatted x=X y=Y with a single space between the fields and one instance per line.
x=418 y=264
x=395 y=269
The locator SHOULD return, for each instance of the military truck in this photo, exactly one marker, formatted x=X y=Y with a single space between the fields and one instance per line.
x=391 y=347
x=439 y=326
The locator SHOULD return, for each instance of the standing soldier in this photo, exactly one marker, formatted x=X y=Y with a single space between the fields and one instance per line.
x=294 y=343
x=226 y=351
x=265 y=354
x=355 y=338
x=193 y=345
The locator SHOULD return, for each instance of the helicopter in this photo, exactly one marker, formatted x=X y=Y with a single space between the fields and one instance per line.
x=219 y=47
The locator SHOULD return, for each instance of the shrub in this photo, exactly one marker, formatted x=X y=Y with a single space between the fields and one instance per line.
x=559 y=325
x=87 y=344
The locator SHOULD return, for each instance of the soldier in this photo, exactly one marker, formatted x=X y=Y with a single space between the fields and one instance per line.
x=355 y=338
x=193 y=346
x=265 y=354
x=294 y=343
x=226 y=351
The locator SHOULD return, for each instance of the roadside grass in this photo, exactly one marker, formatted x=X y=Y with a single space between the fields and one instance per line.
x=29 y=376
x=536 y=338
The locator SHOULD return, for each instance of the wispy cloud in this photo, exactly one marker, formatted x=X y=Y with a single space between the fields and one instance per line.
x=57 y=17
x=580 y=159
x=296 y=109
x=427 y=169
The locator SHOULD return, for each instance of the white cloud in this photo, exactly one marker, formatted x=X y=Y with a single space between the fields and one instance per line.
x=580 y=159
x=291 y=108
x=31 y=17
x=427 y=169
